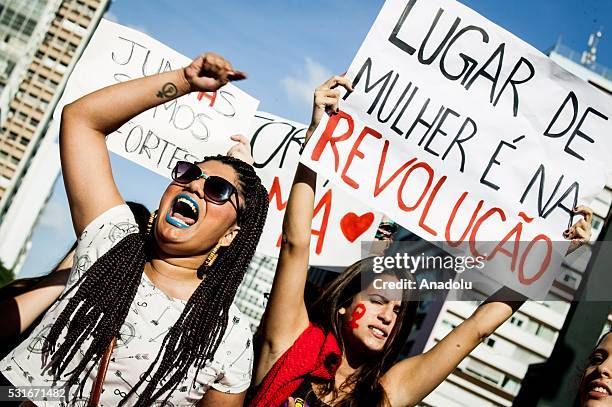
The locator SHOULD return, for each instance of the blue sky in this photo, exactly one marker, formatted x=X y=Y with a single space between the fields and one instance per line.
x=288 y=47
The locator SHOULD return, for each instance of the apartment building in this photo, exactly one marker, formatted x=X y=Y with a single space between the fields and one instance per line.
x=44 y=40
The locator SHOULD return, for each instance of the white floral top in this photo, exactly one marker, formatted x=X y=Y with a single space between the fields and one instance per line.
x=151 y=315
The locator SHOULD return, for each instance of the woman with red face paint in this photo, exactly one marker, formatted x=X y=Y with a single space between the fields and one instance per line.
x=343 y=353
x=596 y=383
x=157 y=303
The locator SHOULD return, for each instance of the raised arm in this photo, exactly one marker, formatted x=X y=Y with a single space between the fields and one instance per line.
x=411 y=380
x=286 y=317
x=86 y=166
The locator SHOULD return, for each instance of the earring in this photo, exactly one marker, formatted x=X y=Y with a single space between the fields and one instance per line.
x=212 y=256
x=342 y=311
x=151 y=222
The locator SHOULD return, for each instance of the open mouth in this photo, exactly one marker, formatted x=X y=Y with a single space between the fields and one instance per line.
x=379 y=333
x=599 y=389
x=184 y=212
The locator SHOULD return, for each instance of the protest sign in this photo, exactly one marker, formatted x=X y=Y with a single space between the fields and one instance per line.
x=340 y=222
x=463 y=133
x=187 y=128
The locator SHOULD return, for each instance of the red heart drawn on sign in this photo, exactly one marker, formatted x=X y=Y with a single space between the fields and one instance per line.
x=354 y=226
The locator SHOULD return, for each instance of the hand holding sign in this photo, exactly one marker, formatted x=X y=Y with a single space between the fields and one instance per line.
x=242 y=149
x=326 y=99
x=580 y=232
x=209 y=72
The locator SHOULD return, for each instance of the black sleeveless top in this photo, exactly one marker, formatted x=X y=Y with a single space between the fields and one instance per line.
x=305 y=396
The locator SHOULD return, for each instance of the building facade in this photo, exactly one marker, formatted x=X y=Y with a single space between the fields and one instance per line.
x=43 y=40
x=252 y=294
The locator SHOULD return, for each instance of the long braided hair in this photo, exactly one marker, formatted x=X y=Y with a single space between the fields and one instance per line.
x=106 y=290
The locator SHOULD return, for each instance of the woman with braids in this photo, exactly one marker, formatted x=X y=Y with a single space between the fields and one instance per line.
x=24 y=301
x=163 y=296
x=344 y=352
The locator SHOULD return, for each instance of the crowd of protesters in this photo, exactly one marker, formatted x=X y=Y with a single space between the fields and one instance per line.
x=141 y=311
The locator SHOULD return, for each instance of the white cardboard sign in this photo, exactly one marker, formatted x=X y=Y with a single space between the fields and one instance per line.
x=340 y=222
x=462 y=132
x=187 y=128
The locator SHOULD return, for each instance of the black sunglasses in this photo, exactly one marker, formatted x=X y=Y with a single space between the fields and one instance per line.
x=217 y=189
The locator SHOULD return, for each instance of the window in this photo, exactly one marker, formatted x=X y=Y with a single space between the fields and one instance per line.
x=3 y=154
x=49 y=62
x=22 y=116
x=7 y=17
x=30 y=98
x=29 y=27
x=71 y=26
x=34 y=122
x=24 y=141
x=569 y=279
x=516 y=321
x=61 y=67
x=510 y=385
x=532 y=326
x=448 y=324
x=14 y=160
x=17 y=22
x=596 y=223
x=485 y=372
x=12 y=135
x=546 y=333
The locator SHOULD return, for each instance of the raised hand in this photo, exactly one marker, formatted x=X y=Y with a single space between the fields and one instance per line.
x=242 y=149
x=581 y=231
x=326 y=99
x=209 y=72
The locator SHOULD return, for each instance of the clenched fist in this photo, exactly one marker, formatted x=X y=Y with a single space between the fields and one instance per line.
x=209 y=72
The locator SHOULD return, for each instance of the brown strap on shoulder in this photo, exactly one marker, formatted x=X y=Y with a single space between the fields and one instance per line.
x=96 y=390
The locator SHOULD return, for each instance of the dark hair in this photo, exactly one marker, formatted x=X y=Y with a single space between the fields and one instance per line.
x=107 y=289
x=24 y=285
x=363 y=385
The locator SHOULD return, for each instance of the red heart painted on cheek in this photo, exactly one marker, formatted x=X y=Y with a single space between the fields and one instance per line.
x=359 y=312
x=354 y=226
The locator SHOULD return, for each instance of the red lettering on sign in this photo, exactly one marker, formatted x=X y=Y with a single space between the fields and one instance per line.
x=212 y=96
x=326 y=136
x=355 y=152
x=275 y=192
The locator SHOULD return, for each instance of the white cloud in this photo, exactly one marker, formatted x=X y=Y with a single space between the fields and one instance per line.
x=301 y=84
x=111 y=17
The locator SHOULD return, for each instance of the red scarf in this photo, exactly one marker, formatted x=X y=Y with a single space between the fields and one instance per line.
x=315 y=353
